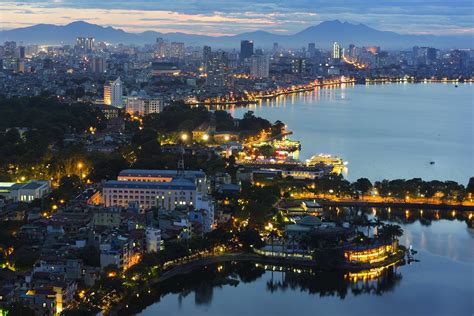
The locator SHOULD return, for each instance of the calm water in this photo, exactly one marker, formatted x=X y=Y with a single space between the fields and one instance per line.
x=442 y=283
x=384 y=131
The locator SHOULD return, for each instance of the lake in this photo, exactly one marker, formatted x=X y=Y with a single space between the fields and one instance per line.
x=388 y=131
x=384 y=132
x=441 y=283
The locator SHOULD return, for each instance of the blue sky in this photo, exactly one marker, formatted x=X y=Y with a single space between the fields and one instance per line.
x=218 y=17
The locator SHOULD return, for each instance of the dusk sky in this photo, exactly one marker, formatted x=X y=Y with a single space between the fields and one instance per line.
x=219 y=17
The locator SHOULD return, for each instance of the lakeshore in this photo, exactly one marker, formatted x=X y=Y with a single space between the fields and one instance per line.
x=190 y=267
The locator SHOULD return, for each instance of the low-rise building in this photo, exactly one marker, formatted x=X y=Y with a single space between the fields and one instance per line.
x=165 y=195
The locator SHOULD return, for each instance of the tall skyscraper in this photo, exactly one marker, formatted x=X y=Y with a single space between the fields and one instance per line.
x=84 y=44
x=336 y=51
x=160 y=48
x=218 y=70
x=9 y=49
x=311 y=50
x=21 y=52
x=246 y=49
x=206 y=55
x=98 y=65
x=259 y=67
x=177 y=50
x=275 y=47
x=113 y=91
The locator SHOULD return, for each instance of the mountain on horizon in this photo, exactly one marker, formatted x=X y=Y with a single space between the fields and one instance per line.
x=323 y=34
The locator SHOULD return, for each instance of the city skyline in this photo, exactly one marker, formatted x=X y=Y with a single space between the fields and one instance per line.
x=222 y=18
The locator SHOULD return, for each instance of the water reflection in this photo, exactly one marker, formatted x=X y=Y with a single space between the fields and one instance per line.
x=203 y=282
x=445 y=233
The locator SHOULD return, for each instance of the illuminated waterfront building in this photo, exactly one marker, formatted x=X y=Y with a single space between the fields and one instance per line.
x=370 y=253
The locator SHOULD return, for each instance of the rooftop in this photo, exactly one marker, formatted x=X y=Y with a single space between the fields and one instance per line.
x=155 y=173
x=178 y=184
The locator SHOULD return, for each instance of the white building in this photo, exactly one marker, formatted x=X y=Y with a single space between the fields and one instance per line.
x=25 y=192
x=165 y=195
x=259 y=66
x=336 y=51
x=198 y=177
x=141 y=105
x=113 y=91
x=153 y=239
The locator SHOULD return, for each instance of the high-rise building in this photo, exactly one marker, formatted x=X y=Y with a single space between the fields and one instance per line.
x=206 y=55
x=177 y=50
x=84 y=44
x=259 y=67
x=246 y=49
x=336 y=51
x=142 y=104
x=21 y=52
x=218 y=70
x=298 y=65
x=160 y=48
x=9 y=49
x=98 y=65
x=275 y=47
x=312 y=49
x=113 y=91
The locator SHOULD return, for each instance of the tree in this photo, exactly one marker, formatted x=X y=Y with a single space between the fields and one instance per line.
x=250 y=238
x=470 y=186
x=390 y=232
x=363 y=186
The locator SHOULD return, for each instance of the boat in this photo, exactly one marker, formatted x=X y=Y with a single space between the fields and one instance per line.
x=432 y=162
x=326 y=160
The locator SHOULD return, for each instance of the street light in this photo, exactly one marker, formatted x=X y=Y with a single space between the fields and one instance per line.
x=79 y=165
x=184 y=137
x=205 y=137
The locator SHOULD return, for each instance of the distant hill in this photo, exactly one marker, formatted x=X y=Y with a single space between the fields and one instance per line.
x=323 y=34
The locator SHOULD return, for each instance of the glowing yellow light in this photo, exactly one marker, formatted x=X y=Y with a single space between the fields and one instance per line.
x=79 y=165
x=205 y=137
x=54 y=207
x=184 y=137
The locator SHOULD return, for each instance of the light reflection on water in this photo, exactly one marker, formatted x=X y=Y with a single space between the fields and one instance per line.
x=441 y=283
x=385 y=132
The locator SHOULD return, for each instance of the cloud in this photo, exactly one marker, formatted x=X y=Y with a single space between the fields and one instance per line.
x=235 y=16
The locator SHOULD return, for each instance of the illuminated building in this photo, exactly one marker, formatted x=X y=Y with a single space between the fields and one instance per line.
x=218 y=70
x=298 y=65
x=197 y=177
x=259 y=67
x=113 y=91
x=246 y=49
x=336 y=51
x=152 y=239
x=25 y=192
x=84 y=44
x=177 y=50
x=370 y=253
x=165 y=68
x=160 y=48
x=141 y=105
x=145 y=195
x=98 y=65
